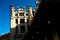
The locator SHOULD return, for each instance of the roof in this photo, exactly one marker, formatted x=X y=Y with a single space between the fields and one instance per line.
x=5 y=36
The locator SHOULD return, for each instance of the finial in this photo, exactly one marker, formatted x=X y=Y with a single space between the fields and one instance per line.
x=29 y=5
x=12 y=5
x=37 y=2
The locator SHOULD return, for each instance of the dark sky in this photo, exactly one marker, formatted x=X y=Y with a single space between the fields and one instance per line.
x=5 y=12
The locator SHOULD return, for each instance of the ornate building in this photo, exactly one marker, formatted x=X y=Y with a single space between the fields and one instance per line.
x=20 y=20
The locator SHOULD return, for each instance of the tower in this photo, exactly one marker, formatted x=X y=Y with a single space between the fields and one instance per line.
x=12 y=21
x=30 y=13
x=37 y=3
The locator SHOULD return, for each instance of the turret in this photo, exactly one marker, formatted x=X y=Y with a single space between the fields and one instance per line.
x=30 y=11
x=12 y=23
x=37 y=3
x=12 y=10
x=11 y=7
x=30 y=14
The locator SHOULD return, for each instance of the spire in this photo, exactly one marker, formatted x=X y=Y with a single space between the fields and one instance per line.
x=37 y=3
x=11 y=6
x=29 y=5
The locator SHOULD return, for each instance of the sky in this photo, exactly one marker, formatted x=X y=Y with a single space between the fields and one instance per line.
x=5 y=12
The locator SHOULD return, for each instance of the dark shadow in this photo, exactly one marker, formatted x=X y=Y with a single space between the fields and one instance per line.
x=45 y=23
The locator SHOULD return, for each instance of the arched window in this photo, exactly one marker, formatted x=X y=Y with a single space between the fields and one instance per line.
x=16 y=21
x=21 y=14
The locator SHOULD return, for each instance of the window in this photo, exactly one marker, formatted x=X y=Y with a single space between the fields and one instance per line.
x=26 y=14
x=16 y=29
x=22 y=21
x=27 y=20
x=16 y=14
x=16 y=21
x=22 y=29
x=21 y=14
x=33 y=12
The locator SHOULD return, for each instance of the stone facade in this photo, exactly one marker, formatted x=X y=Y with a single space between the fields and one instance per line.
x=20 y=20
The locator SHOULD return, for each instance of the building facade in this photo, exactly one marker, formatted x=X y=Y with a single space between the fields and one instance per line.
x=20 y=20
